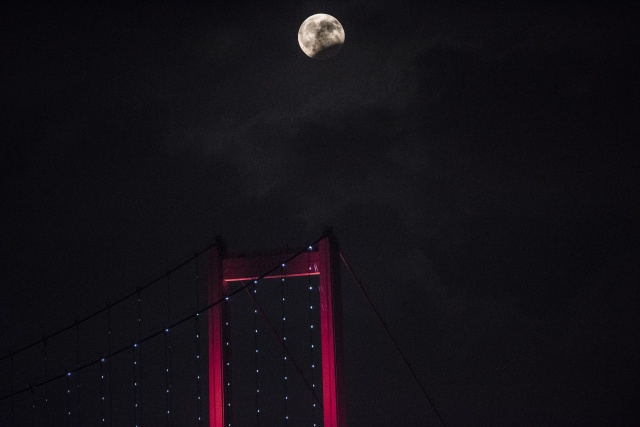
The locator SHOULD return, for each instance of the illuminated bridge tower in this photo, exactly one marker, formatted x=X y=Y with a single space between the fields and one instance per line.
x=323 y=259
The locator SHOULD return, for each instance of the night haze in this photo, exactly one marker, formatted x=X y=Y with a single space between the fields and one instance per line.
x=478 y=165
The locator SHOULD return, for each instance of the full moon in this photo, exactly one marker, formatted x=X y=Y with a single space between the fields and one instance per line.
x=321 y=36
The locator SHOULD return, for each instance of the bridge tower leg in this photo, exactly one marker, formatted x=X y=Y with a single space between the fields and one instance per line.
x=333 y=398
x=216 y=338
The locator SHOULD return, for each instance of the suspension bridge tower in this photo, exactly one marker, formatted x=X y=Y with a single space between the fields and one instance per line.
x=320 y=259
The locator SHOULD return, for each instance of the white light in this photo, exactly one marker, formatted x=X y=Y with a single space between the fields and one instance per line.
x=283 y=264
x=167 y=330
x=310 y=247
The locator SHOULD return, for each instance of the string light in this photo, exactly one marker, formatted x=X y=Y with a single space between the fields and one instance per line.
x=255 y=341
x=226 y=367
x=109 y=373
x=102 y=399
x=68 y=399
x=198 y=369
x=167 y=362
x=284 y=350
x=311 y=341
x=135 y=385
x=139 y=359
x=77 y=376
x=167 y=344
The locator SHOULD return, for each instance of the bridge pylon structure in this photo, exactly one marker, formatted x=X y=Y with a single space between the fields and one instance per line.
x=321 y=259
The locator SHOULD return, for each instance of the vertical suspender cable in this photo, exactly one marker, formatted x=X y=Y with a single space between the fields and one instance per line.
x=135 y=384
x=139 y=361
x=167 y=354
x=33 y=408
x=68 y=399
x=46 y=388
x=13 y=405
x=198 y=370
x=255 y=341
x=77 y=374
x=311 y=341
x=102 y=417
x=109 y=349
x=284 y=351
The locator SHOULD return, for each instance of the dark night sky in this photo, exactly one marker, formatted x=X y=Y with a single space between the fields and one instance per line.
x=477 y=164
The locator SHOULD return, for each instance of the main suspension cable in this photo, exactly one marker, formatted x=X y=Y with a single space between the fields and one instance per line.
x=102 y=310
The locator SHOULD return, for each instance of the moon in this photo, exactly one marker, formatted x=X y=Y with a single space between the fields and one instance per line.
x=321 y=36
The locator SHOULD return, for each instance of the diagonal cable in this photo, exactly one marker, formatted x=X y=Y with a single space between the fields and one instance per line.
x=393 y=340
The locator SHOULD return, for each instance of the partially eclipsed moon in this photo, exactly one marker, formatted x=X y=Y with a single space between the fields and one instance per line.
x=321 y=36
